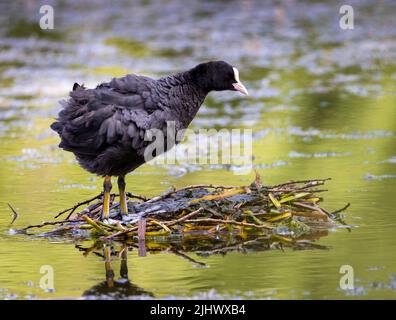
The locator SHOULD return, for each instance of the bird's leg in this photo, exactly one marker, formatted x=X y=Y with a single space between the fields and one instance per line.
x=106 y=198
x=108 y=268
x=124 y=263
x=123 y=200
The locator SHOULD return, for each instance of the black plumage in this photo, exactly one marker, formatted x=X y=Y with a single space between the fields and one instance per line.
x=105 y=127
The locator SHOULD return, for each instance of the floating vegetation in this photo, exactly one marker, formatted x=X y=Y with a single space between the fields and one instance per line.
x=136 y=48
x=295 y=154
x=25 y=29
x=204 y=217
x=370 y=176
x=390 y=160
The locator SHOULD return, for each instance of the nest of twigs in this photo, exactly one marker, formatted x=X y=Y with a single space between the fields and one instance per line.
x=289 y=209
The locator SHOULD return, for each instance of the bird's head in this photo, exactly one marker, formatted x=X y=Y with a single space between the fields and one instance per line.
x=218 y=76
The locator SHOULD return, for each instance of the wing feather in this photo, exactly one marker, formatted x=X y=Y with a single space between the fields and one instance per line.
x=117 y=112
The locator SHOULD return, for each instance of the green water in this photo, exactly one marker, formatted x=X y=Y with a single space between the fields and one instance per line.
x=322 y=104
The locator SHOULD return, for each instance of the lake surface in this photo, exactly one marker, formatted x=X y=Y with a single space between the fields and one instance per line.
x=322 y=104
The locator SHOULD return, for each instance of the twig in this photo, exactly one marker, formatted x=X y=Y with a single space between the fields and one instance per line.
x=310 y=214
x=94 y=224
x=163 y=226
x=184 y=256
x=142 y=229
x=142 y=250
x=243 y=224
x=78 y=205
x=313 y=208
x=15 y=214
x=87 y=210
x=342 y=209
x=296 y=190
x=187 y=216
x=208 y=186
x=239 y=246
x=109 y=226
x=301 y=181
x=166 y=194
x=47 y=223
x=196 y=186
x=136 y=196
x=120 y=233
x=168 y=224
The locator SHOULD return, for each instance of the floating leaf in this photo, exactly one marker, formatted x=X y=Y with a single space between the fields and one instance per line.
x=274 y=200
x=157 y=233
x=280 y=217
x=312 y=200
x=293 y=197
x=250 y=214
x=94 y=224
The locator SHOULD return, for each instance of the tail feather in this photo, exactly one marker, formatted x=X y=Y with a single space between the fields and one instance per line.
x=79 y=121
x=76 y=86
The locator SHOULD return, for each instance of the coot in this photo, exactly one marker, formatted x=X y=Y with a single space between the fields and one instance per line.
x=105 y=127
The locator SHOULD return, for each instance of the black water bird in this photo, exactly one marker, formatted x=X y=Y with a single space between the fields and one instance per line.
x=111 y=288
x=105 y=127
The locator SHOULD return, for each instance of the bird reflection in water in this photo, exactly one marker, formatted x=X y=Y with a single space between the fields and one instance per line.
x=111 y=288
x=123 y=288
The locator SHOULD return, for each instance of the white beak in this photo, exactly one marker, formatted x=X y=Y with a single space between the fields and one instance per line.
x=238 y=86
x=241 y=88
